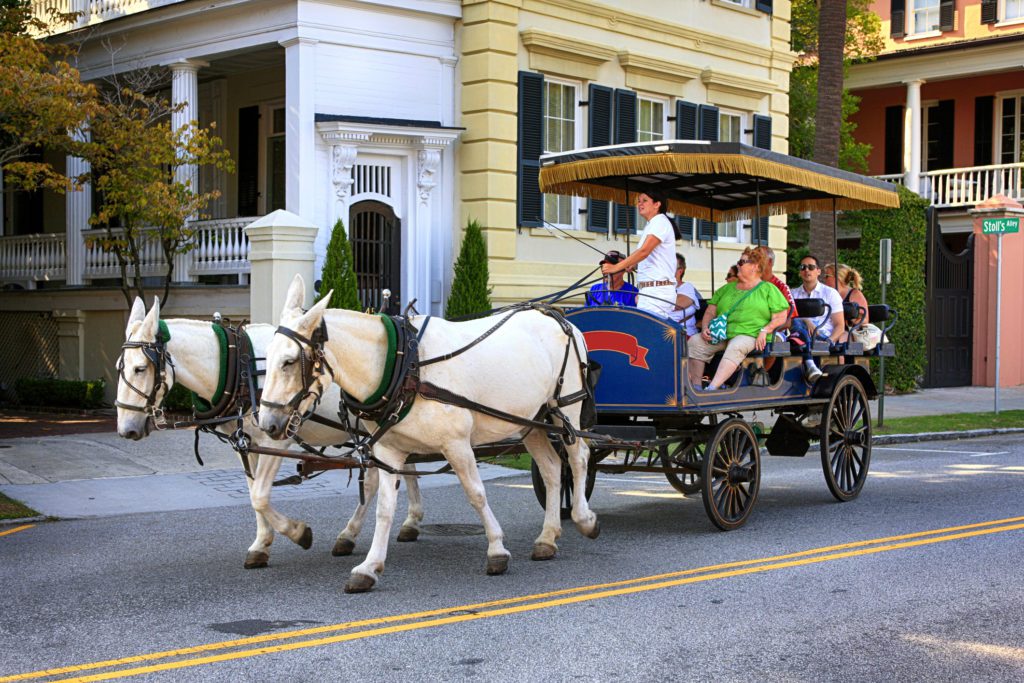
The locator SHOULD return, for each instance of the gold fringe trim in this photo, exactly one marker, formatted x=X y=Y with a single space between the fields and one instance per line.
x=572 y=179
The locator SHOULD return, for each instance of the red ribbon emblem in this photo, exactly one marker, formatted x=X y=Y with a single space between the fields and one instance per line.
x=620 y=343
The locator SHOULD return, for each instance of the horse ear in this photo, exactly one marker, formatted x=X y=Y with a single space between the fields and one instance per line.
x=151 y=325
x=311 y=319
x=136 y=316
x=295 y=297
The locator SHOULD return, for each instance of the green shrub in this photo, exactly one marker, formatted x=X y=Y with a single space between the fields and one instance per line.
x=907 y=228
x=339 y=273
x=470 y=293
x=178 y=399
x=60 y=393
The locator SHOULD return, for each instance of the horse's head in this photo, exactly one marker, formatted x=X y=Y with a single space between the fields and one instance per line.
x=297 y=373
x=142 y=380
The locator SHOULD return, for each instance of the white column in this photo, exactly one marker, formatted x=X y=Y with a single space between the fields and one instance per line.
x=185 y=90
x=300 y=130
x=77 y=209
x=448 y=98
x=912 y=136
x=419 y=250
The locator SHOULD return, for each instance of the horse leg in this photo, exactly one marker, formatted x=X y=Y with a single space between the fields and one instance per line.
x=410 y=529
x=364 y=576
x=259 y=496
x=460 y=455
x=545 y=546
x=585 y=518
x=258 y=554
x=346 y=541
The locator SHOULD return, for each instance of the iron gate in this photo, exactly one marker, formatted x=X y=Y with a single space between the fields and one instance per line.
x=376 y=235
x=950 y=310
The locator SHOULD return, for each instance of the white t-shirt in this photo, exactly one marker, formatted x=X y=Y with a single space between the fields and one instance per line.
x=830 y=296
x=661 y=263
x=680 y=316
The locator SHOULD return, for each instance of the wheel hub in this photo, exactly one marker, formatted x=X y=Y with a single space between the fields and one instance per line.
x=739 y=474
x=854 y=438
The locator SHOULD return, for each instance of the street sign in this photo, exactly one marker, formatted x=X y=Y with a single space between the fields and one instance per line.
x=1001 y=226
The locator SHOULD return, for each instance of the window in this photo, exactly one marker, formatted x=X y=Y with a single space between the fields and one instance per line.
x=925 y=15
x=560 y=135
x=275 y=160
x=650 y=120
x=730 y=129
x=1013 y=9
x=1008 y=128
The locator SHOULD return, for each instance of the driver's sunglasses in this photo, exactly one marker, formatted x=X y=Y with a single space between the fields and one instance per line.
x=808 y=266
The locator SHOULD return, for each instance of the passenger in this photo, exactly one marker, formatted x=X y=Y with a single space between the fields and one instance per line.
x=826 y=327
x=770 y=277
x=688 y=300
x=849 y=287
x=655 y=259
x=613 y=290
x=732 y=275
x=754 y=310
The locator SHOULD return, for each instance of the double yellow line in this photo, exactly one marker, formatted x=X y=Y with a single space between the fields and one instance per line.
x=368 y=628
x=16 y=529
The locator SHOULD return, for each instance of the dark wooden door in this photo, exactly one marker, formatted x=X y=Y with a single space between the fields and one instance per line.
x=376 y=234
x=950 y=310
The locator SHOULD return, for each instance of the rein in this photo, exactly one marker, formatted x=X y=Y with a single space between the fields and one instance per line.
x=155 y=353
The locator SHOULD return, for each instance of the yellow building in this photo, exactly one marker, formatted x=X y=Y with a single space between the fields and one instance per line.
x=564 y=74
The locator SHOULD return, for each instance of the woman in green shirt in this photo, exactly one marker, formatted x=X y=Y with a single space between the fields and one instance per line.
x=755 y=309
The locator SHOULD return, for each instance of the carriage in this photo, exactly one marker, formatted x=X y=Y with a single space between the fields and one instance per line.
x=650 y=418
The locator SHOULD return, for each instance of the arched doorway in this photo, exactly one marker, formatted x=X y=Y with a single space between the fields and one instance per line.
x=376 y=236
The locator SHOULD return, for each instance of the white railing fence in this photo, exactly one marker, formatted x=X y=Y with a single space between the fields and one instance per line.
x=93 y=11
x=100 y=264
x=27 y=259
x=222 y=247
x=954 y=187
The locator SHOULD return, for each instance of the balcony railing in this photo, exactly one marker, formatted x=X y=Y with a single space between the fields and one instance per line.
x=952 y=188
x=92 y=11
x=222 y=248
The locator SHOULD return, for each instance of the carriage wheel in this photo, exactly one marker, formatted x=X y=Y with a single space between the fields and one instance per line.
x=686 y=481
x=846 y=439
x=541 y=491
x=731 y=474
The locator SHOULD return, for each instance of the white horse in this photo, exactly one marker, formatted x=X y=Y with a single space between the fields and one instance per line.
x=515 y=370
x=192 y=356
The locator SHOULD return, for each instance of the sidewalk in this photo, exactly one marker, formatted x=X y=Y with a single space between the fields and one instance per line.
x=69 y=471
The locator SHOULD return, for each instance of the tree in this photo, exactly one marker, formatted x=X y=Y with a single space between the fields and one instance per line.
x=42 y=98
x=134 y=155
x=829 y=34
x=338 y=273
x=470 y=293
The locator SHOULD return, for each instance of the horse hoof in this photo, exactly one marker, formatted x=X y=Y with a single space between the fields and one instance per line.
x=594 y=532
x=360 y=583
x=343 y=547
x=543 y=551
x=306 y=539
x=408 y=534
x=256 y=559
x=497 y=565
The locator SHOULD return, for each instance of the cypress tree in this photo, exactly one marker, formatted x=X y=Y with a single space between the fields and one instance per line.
x=339 y=273
x=470 y=293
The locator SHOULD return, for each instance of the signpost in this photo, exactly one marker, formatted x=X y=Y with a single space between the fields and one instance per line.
x=999 y=227
x=884 y=278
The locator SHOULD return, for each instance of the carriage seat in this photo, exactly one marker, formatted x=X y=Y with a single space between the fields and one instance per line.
x=884 y=318
x=813 y=308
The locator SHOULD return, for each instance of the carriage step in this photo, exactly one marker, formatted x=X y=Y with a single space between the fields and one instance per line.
x=627 y=432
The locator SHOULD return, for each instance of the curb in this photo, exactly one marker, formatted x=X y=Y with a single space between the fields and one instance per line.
x=943 y=436
x=25 y=520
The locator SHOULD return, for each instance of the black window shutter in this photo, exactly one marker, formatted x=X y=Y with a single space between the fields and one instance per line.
x=686 y=120
x=897 y=22
x=989 y=11
x=759 y=231
x=984 y=110
x=708 y=122
x=764 y=6
x=599 y=114
x=946 y=8
x=945 y=112
x=706 y=230
x=894 y=139
x=684 y=227
x=625 y=131
x=529 y=200
x=248 y=161
x=762 y=131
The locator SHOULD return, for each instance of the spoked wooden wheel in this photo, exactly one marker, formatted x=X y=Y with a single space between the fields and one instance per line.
x=674 y=457
x=541 y=491
x=731 y=474
x=846 y=439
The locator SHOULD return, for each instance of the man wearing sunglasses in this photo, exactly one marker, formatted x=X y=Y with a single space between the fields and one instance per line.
x=827 y=327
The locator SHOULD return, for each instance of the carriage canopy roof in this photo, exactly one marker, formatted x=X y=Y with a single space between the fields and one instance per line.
x=717 y=181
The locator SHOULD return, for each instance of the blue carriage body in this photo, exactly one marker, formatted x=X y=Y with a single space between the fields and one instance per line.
x=643 y=369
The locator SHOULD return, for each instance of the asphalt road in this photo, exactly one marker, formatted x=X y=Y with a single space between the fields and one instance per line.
x=917 y=579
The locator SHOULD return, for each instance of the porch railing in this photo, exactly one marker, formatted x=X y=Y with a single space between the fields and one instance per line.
x=93 y=11
x=222 y=247
x=28 y=259
x=956 y=187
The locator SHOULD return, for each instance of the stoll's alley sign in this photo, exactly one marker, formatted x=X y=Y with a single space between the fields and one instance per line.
x=992 y=226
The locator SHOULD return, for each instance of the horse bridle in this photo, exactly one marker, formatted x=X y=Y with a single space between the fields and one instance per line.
x=313 y=365
x=155 y=353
